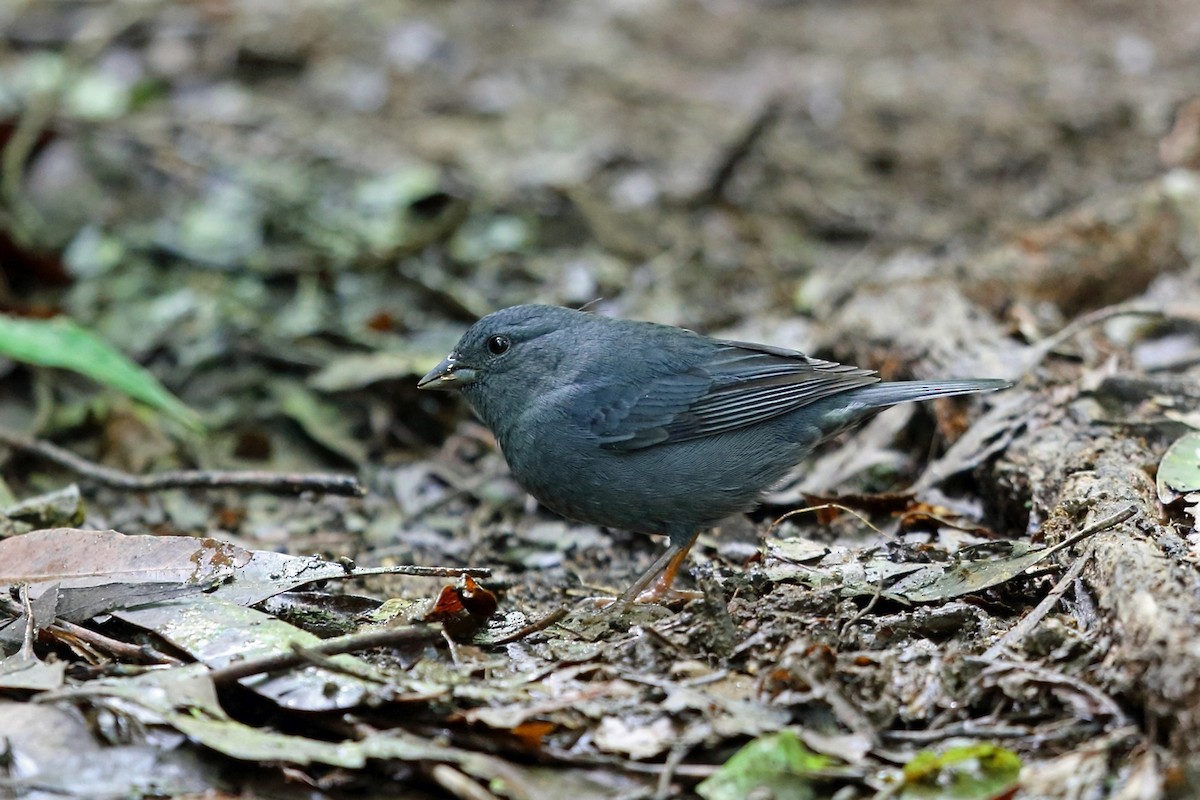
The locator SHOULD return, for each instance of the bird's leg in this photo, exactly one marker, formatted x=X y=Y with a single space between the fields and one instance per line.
x=662 y=574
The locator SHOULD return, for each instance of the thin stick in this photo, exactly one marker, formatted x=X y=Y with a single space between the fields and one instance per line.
x=458 y=784
x=132 y=652
x=1030 y=620
x=61 y=628
x=273 y=482
x=1039 y=350
x=862 y=612
x=533 y=627
x=737 y=152
x=386 y=637
x=1105 y=524
x=822 y=507
x=411 y=569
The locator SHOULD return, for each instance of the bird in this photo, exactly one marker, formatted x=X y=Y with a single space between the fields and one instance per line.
x=653 y=428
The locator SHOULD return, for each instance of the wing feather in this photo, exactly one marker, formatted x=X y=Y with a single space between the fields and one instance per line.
x=734 y=386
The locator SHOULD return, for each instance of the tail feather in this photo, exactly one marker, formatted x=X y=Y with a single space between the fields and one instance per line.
x=890 y=393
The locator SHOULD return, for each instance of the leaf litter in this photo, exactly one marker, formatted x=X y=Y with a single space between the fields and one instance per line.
x=289 y=271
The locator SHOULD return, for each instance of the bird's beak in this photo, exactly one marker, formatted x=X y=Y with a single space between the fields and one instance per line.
x=450 y=374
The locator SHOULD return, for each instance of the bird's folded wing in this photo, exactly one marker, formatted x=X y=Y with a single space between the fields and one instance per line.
x=736 y=386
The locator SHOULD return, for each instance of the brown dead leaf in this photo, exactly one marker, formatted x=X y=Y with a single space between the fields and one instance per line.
x=74 y=557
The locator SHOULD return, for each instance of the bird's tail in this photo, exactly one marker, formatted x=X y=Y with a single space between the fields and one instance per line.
x=879 y=395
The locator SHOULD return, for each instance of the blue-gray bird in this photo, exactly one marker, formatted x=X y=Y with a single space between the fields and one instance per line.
x=653 y=428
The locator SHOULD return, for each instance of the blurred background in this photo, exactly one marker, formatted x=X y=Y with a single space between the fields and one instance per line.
x=290 y=209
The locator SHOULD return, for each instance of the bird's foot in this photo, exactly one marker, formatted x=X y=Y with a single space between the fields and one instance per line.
x=660 y=594
x=663 y=593
x=656 y=584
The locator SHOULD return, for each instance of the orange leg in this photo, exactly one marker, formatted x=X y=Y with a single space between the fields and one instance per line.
x=662 y=574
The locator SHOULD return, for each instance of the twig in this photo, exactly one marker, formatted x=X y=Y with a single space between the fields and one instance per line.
x=533 y=627
x=1103 y=702
x=273 y=482
x=26 y=651
x=412 y=569
x=1030 y=620
x=968 y=728
x=563 y=757
x=1105 y=524
x=822 y=507
x=1039 y=350
x=662 y=790
x=386 y=637
x=456 y=783
x=452 y=647
x=327 y=662
x=60 y=628
x=660 y=637
x=132 y=652
x=862 y=612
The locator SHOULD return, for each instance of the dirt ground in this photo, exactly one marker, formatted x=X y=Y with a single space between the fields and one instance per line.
x=289 y=211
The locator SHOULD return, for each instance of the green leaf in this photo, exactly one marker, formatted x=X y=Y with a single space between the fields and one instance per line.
x=778 y=764
x=975 y=772
x=1179 y=470
x=60 y=342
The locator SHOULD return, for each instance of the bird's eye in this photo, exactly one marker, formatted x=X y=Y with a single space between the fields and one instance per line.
x=498 y=345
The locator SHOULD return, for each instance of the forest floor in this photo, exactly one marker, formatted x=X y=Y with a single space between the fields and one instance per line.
x=288 y=211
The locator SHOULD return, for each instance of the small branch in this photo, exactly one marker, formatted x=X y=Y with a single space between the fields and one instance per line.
x=533 y=627
x=1108 y=523
x=1030 y=620
x=327 y=662
x=273 y=482
x=386 y=637
x=413 y=569
x=862 y=612
x=61 y=629
x=1039 y=350
x=995 y=669
x=137 y=653
x=458 y=784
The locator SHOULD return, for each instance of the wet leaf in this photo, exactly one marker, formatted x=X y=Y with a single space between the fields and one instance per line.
x=778 y=765
x=93 y=253
x=635 y=737
x=58 y=756
x=98 y=96
x=184 y=698
x=483 y=237
x=60 y=342
x=224 y=228
x=154 y=567
x=354 y=371
x=219 y=633
x=29 y=673
x=966 y=575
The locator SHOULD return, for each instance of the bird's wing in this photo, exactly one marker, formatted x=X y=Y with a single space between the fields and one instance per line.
x=734 y=386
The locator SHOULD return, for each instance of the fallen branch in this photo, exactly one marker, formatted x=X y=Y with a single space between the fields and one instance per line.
x=273 y=482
